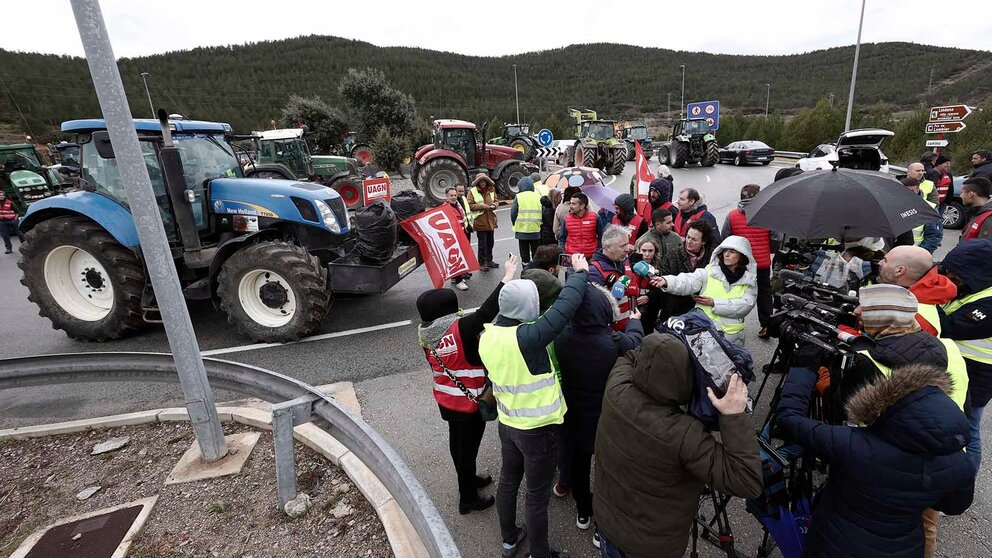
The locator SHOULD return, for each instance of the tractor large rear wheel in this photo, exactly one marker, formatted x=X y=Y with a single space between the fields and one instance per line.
x=617 y=161
x=524 y=147
x=274 y=292
x=711 y=154
x=681 y=154
x=506 y=186
x=82 y=279
x=438 y=175
x=664 y=156
x=350 y=190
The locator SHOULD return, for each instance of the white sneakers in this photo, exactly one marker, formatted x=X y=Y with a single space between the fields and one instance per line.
x=461 y=286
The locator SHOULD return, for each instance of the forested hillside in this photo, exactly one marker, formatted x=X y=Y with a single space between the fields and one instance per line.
x=247 y=85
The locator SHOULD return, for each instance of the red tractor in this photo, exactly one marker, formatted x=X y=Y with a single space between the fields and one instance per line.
x=458 y=153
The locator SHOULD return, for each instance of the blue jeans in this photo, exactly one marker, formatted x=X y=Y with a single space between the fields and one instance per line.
x=607 y=549
x=975 y=444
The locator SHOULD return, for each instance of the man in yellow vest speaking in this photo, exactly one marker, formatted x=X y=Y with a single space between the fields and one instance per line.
x=525 y=214
x=968 y=321
x=521 y=365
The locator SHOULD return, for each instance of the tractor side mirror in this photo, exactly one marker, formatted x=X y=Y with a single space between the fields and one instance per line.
x=101 y=140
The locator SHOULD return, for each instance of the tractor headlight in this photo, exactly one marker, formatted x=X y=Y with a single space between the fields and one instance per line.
x=327 y=216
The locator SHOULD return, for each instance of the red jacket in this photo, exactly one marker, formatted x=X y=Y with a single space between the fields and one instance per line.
x=629 y=300
x=933 y=288
x=632 y=228
x=581 y=234
x=760 y=239
x=452 y=354
x=7 y=212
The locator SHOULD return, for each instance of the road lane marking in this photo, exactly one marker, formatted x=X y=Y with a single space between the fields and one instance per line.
x=321 y=337
x=707 y=178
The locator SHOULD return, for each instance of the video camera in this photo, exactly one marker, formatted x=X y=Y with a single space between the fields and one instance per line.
x=811 y=313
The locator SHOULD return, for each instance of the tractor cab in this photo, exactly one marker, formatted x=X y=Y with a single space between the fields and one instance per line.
x=454 y=136
x=66 y=156
x=285 y=147
x=635 y=133
x=511 y=131
x=692 y=128
x=597 y=129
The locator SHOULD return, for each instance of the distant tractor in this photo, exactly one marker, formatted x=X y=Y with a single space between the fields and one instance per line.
x=631 y=133
x=459 y=153
x=270 y=254
x=596 y=144
x=66 y=157
x=518 y=136
x=691 y=142
x=284 y=154
x=358 y=147
x=24 y=179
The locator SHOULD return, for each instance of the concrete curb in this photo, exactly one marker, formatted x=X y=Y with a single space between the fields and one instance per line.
x=403 y=538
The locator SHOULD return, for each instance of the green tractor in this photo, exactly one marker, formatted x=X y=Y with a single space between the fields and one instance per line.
x=284 y=154
x=631 y=133
x=691 y=142
x=358 y=147
x=518 y=136
x=24 y=178
x=596 y=143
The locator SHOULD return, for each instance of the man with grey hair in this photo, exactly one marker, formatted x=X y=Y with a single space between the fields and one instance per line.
x=610 y=268
x=927 y=187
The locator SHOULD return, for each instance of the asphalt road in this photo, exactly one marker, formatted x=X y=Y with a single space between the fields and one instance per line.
x=372 y=341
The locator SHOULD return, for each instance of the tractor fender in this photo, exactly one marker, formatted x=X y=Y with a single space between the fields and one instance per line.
x=437 y=153
x=272 y=167
x=112 y=216
x=498 y=171
x=327 y=180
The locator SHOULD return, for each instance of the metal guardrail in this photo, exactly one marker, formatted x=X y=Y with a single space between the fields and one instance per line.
x=893 y=169
x=354 y=433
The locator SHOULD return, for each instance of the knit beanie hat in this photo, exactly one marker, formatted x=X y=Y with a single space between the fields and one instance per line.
x=435 y=303
x=888 y=309
x=941 y=159
x=519 y=300
x=548 y=286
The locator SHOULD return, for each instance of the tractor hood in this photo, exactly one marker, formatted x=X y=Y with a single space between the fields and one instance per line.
x=277 y=199
x=509 y=152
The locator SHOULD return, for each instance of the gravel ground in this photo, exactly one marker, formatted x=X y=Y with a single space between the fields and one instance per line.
x=232 y=516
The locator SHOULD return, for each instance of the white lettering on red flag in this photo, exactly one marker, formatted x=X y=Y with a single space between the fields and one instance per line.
x=644 y=178
x=443 y=243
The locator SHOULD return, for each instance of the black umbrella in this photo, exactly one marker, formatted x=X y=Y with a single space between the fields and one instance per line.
x=839 y=203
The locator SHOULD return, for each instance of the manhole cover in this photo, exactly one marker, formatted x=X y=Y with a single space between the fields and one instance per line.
x=99 y=536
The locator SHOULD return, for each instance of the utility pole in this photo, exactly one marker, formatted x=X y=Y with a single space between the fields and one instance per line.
x=831 y=98
x=157 y=255
x=768 y=95
x=854 y=70
x=516 y=95
x=144 y=78
x=682 y=101
x=668 y=108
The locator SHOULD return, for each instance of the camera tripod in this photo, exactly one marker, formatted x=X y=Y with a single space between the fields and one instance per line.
x=716 y=529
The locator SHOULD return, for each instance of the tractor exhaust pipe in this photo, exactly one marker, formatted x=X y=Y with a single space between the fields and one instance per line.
x=180 y=196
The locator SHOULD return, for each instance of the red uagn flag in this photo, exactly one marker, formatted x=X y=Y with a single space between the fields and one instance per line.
x=443 y=243
x=644 y=178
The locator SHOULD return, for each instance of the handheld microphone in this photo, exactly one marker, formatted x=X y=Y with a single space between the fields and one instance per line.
x=644 y=269
x=620 y=287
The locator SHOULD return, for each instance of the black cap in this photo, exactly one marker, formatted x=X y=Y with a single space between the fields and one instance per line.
x=436 y=303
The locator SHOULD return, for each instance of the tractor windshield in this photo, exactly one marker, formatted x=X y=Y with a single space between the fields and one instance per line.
x=599 y=130
x=68 y=155
x=513 y=131
x=20 y=159
x=638 y=133
x=697 y=127
x=205 y=157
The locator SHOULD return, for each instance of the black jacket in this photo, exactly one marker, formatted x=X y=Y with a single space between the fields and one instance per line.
x=587 y=351
x=675 y=262
x=547 y=221
x=984 y=169
x=970 y=261
x=893 y=351
x=882 y=477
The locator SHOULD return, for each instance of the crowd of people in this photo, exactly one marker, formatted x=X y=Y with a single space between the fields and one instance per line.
x=569 y=362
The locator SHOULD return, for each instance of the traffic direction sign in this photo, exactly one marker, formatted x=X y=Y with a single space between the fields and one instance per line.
x=545 y=137
x=944 y=127
x=937 y=143
x=949 y=113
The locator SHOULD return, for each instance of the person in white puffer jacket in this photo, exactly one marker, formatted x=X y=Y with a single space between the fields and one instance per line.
x=726 y=289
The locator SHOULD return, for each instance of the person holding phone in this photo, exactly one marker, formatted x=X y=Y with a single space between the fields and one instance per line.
x=483 y=202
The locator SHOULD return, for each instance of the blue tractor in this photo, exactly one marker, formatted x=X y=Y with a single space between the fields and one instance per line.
x=270 y=253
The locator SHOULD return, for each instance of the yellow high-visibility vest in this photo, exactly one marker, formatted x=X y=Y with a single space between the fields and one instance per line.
x=528 y=213
x=956 y=369
x=714 y=289
x=979 y=350
x=523 y=400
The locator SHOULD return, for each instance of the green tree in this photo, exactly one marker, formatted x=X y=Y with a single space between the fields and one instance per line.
x=390 y=150
x=326 y=124
x=822 y=123
x=376 y=104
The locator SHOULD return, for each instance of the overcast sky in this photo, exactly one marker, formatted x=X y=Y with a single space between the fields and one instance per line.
x=143 y=27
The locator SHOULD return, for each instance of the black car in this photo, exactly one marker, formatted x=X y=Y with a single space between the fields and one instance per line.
x=742 y=152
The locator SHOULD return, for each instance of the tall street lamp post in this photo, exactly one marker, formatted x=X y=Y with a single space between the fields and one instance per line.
x=854 y=70
x=516 y=95
x=768 y=95
x=144 y=78
x=682 y=101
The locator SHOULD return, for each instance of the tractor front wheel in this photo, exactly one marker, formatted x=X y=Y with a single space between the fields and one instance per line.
x=663 y=156
x=362 y=154
x=681 y=154
x=349 y=189
x=82 y=279
x=589 y=157
x=506 y=186
x=631 y=152
x=439 y=175
x=524 y=147
x=617 y=161
x=274 y=292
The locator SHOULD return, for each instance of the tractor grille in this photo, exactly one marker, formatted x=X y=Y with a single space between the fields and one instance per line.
x=340 y=212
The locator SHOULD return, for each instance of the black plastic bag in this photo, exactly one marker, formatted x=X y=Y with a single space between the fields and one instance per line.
x=376 y=233
x=406 y=204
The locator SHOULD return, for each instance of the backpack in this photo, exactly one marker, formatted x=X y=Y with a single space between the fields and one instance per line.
x=714 y=360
